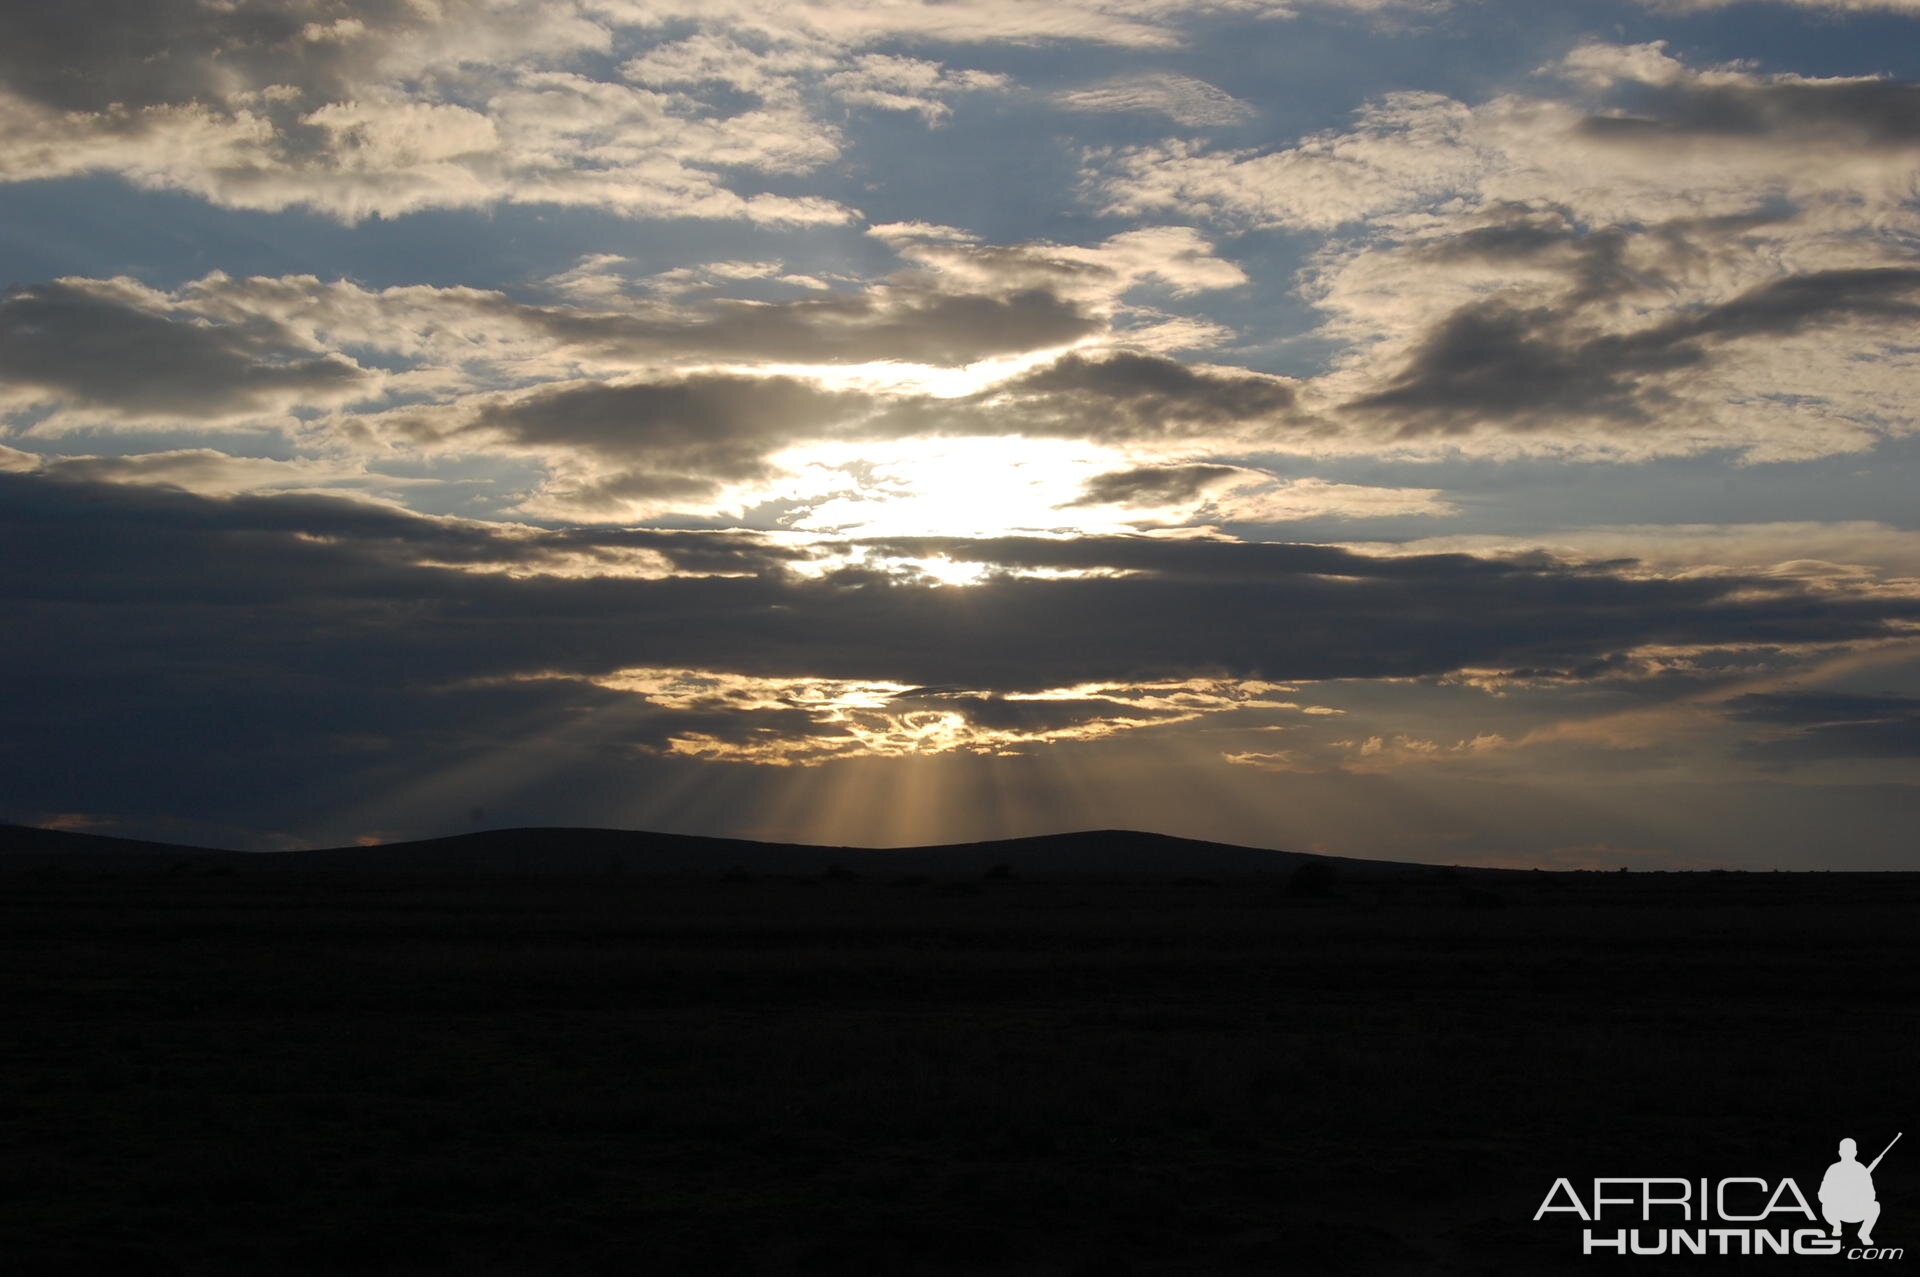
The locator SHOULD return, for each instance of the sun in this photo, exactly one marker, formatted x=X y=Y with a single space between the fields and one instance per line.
x=945 y=487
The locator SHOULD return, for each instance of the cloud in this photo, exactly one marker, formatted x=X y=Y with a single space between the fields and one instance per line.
x=1124 y=396
x=1405 y=149
x=88 y=56
x=389 y=109
x=380 y=108
x=953 y=303
x=112 y=351
x=1178 y=258
x=907 y=323
x=890 y=83
x=264 y=659
x=1158 y=485
x=1294 y=499
x=481 y=335
x=209 y=472
x=1827 y=724
x=1180 y=98
x=1638 y=137
x=474 y=378
x=1493 y=364
x=1829 y=6
x=1644 y=258
x=220 y=344
x=623 y=400
x=807 y=722
x=840 y=24
x=1217 y=494
x=637 y=444
x=1388 y=754
x=1045 y=632
x=1804 y=549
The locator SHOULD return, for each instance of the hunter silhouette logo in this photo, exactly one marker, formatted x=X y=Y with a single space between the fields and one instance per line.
x=1846 y=1194
x=1738 y=1215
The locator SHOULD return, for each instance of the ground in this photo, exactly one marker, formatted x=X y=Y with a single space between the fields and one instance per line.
x=216 y=1071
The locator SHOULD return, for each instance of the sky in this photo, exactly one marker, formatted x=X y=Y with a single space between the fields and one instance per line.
x=1462 y=431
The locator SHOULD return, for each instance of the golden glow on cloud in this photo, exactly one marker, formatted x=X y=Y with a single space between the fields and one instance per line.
x=822 y=720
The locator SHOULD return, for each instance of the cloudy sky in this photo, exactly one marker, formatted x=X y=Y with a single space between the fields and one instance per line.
x=1472 y=431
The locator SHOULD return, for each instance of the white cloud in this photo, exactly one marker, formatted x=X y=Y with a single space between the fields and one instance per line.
x=548 y=139
x=1407 y=148
x=1718 y=141
x=1320 y=498
x=890 y=83
x=1177 y=257
x=1180 y=98
x=400 y=107
x=635 y=398
x=857 y=23
x=1645 y=258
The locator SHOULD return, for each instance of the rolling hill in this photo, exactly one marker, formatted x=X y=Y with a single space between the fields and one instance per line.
x=560 y=851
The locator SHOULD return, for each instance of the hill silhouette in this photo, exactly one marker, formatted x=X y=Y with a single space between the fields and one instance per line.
x=569 y=851
x=559 y=1050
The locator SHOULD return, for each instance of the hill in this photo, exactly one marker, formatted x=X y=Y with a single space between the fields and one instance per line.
x=1092 y=853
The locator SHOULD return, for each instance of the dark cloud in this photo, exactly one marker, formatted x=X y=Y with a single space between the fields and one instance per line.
x=914 y=324
x=1199 y=558
x=1506 y=231
x=1127 y=396
x=682 y=437
x=93 y=55
x=687 y=552
x=1831 y=724
x=1491 y=363
x=100 y=351
x=1156 y=485
x=193 y=468
x=678 y=436
x=167 y=652
x=1872 y=113
x=1510 y=233
x=112 y=546
x=1790 y=305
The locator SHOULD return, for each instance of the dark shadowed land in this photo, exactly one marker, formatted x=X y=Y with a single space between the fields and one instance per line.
x=592 y=1052
x=549 y=852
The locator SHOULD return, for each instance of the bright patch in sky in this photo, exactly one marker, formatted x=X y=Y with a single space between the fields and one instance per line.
x=941 y=487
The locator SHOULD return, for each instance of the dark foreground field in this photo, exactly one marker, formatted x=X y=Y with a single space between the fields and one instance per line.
x=218 y=1071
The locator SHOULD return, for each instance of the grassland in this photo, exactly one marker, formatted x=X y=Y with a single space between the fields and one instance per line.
x=213 y=1071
